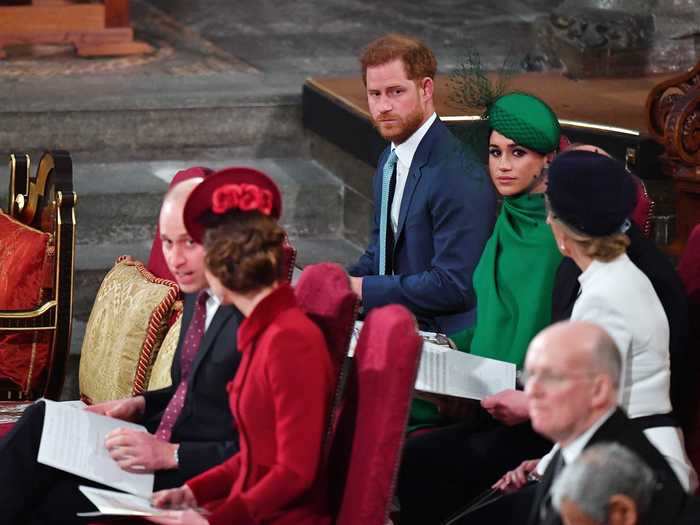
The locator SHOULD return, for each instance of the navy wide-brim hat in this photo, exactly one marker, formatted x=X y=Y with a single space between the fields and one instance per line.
x=199 y=204
x=592 y=193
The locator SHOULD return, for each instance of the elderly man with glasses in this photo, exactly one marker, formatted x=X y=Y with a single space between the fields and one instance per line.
x=572 y=373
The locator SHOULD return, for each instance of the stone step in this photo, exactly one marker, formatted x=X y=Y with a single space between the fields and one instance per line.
x=119 y=201
x=118 y=117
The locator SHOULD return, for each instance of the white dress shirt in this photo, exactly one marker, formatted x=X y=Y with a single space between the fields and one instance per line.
x=573 y=450
x=404 y=153
x=212 y=305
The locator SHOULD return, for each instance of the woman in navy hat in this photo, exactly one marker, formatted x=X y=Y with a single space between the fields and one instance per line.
x=590 y=198
x=281 y=392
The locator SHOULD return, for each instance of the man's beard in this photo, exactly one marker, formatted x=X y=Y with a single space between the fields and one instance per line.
x=401 y=129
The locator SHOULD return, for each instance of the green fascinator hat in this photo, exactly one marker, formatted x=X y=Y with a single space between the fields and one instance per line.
x=527 y=120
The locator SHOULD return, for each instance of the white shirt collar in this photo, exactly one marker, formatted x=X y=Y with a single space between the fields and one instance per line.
x=573 y=450
x=407 y=149
x=212 y=305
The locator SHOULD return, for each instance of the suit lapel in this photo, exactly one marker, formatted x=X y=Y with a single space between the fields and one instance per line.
x=611 y=429
x=414 y=176
x=415 y=173
x=221 y=317
x=608 y=431
x=543 y=489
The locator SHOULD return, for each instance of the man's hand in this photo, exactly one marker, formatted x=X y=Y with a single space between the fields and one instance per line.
x=129 y=409
x=179 y=498
x=508 y=406
x=515 y=479
x=356 y=285
x=179 y=517
x=138 y=451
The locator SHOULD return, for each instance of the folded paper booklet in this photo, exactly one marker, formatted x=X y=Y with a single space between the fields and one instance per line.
x=73 y=440
x=111 y=503
x=454 y=373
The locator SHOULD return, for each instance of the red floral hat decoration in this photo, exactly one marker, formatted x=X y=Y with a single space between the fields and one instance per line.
x=239 y=188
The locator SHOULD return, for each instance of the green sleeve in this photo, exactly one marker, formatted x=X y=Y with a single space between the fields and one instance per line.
x=463 y=339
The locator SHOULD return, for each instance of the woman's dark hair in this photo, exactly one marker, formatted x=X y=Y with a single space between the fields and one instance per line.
x=244 y=249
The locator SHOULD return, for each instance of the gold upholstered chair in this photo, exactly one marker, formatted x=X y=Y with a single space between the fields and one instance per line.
x=37 y=237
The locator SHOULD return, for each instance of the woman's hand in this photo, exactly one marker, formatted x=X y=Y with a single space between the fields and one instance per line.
x=516 y=478
x=509 y=406
x=179 y=498
x=179 y=517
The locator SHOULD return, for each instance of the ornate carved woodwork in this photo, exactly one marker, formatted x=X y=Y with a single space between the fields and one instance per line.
x=673 y=118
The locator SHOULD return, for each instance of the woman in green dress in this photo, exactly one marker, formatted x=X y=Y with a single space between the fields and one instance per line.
x=515 y=275
x=513 y=283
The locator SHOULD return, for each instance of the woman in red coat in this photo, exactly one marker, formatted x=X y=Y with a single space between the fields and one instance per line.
x=281 y=391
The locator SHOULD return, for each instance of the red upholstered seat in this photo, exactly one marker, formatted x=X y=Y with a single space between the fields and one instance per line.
x=25 y=265
x=290 y=257
x=324 y=293
x=5 y=428
x=689 y=271
x=689 y=266
x=641 y=215
x=22 y=263
x=370 y=429
x=36 y=277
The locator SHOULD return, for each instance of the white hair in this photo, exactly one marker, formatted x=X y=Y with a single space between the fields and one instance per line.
x=600 y=472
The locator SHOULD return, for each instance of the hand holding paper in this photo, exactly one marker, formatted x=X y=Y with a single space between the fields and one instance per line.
x=455 y=373
x=509 y=406
x=179 y=498
x=73 y=440
x=138 y=451
x=129 y=409
x=179 y=517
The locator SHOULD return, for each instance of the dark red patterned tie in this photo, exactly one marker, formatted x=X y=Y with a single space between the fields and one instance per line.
x=193 y=339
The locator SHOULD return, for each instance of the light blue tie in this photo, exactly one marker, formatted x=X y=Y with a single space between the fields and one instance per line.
x=383 y=218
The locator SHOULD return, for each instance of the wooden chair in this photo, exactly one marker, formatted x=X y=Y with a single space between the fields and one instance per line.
x=45 y=203
x=673 y=113
x=95 y=29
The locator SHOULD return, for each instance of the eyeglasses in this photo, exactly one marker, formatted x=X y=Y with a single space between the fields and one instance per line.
x=554 y=379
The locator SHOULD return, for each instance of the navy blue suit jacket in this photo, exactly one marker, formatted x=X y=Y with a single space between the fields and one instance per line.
x=447 y=213
x=205 y=428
